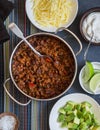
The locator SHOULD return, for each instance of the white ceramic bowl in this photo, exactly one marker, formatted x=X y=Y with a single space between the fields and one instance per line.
x=76 y=97
x=29 y=11
x=85 y=86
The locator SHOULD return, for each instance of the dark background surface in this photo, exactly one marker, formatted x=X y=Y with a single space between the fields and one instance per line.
x=93 y=55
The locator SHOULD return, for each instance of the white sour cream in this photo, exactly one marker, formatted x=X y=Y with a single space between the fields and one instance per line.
x=91 y=27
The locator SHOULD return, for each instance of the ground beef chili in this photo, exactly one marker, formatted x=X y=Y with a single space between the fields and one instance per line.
x=37 y=77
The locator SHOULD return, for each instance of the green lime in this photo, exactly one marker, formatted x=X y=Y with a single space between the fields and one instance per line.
x=94 y=82
x=88 y=71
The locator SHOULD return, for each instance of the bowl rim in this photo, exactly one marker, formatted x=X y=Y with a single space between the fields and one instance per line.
x=80 y=79
x=84 y=15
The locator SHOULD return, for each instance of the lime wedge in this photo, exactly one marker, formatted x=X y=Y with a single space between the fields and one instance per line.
x=88 y=71
x=94 y=82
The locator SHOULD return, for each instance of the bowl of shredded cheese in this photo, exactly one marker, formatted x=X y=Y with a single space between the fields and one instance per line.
x=49 y=15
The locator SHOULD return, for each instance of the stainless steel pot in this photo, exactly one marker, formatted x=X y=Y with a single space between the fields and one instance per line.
x=11 y=75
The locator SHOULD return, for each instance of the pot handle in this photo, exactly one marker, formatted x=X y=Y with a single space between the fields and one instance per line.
x=73 y=34
x=19 y=103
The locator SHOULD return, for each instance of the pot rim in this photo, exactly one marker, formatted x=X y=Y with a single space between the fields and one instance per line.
x=55 y=36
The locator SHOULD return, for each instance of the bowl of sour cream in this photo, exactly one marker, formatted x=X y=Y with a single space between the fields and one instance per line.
x=90 y=25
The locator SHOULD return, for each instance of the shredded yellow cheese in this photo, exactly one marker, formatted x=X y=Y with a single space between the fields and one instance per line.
x=52 y=12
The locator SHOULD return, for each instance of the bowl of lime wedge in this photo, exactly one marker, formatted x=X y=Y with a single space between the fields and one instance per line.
x=89 y=77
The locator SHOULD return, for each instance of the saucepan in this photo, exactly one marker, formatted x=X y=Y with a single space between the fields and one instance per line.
x=38 y=79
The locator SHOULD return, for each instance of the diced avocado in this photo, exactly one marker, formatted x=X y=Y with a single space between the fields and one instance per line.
x=84 y=104
x=76 y=116
x=69 y=112
x=83 y=125
x=75 y=112
x=91 y=127
x=95 y=122
x=84 y=111
x=72 y=125
x=71 y=102
x=87 y=115
x=76 y=120
x=79 y=114
x=70 y=117
x=61 y=110
x=78 y=106
x=96 y=128
x=92 y=115
x=61 y=118
x=88 y=108
x=68 y=107
x=81 y=120
x=88 y=122
x=64 y=124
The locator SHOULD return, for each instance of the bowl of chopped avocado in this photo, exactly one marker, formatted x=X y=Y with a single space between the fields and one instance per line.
x=75 y=112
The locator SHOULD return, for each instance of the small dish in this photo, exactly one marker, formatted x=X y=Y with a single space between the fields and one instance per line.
x=8 y=121
x=76 y=97
x=30 y=14
x=85 y=86
x=85 y=23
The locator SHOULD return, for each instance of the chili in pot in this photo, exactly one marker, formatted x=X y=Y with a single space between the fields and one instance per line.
x=41 y=78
